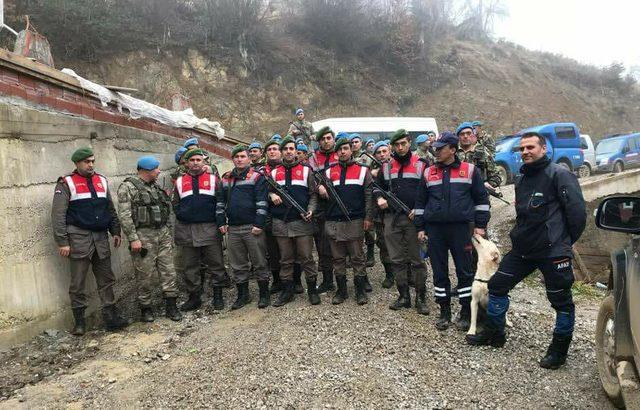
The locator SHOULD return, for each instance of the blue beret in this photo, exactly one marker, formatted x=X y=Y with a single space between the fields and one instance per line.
x=369 y=141
x=343 y=134
x=148 y=162
x=299 y=111
x=276 y=137
x=477 y=123
x=464 y=125
x=190 y=142
x=421 y=138
x=299 y=141
x=354 y=136
x=446 y=138
x=379 y=144
x=302 y=147
x=255 y=144
x=180 y=153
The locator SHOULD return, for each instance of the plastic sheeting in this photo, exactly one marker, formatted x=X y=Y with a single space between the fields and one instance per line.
x=142 y=109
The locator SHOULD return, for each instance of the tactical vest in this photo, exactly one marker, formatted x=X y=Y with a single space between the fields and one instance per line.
x=320 y=160
x=197 y=198
x=88 y=203
x=349 y=184
x=296 y=182
x=241 y=202
x=404 y=179
x=150 y=206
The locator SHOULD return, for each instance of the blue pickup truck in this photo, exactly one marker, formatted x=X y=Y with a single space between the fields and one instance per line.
x=563 y=147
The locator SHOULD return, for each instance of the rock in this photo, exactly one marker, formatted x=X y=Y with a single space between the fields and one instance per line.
x=52 y=332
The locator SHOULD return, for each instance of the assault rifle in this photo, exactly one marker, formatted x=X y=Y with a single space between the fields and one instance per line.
x=378 y=163
x=284 y=194
x=494 y=193
x=321 y=179
x=393 y=200
x=303 y=132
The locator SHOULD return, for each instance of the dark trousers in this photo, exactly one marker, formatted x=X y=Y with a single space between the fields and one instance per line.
x=193 y=259
x=323 y=246
x=292 y=249
x=558 y=278
x=105 y=279
x=454 y=238
x=401 y=239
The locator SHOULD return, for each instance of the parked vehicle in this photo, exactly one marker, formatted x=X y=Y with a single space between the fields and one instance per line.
x=618 y=323
x=563 y=147
x=379 y=128
x=589 y=152
x=617 y=153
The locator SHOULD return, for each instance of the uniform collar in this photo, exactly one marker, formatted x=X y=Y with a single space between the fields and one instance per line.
x=454 y=164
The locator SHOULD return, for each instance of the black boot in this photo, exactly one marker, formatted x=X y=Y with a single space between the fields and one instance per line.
x=464 y=320
x=327 y=282
x=367 y=284
x=389 y=277
x=361 y=294
x=487 y=337
x=421 y=302
x=312 y=292
x=171 y=310
x=265 y=296
x=444 y=321
x=371 y=260
x=404 y=299
x=112 y=319
x=243 y=296
x=218 y=299
x=147 y=314
x=341 y=293
x=276 y=285
x=557 y=352
x=80 y=326
x=286 y=294
x=411 y=278
x=297 y=278
x=192 y=303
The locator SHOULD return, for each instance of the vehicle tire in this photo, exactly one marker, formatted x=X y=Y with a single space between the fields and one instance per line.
x=584 y=171
x=618 y=167
x=504 y=174
x=605 y=351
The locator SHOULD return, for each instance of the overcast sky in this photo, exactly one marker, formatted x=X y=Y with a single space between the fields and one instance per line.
x=594 y=32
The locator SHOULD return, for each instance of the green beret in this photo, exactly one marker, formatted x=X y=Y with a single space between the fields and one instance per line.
x=193 y=152
x=342 y=141
x=271 y=142
x=323 y=131
x=238 y=148
x=287 y=140
x=81 y=153
x=401 y=133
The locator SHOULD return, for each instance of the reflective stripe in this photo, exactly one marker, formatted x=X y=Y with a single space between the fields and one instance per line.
x=418 y=212
x=434 y=183
x=465 y=295
x=103 y=193
x=410 y=175
x=504 y=273
x=482 y=207
x=467 y=289
x=261 y=212
x=460 y=180
x=359 y=181
x=261 y=203
x=438 y=289
x=442 y=295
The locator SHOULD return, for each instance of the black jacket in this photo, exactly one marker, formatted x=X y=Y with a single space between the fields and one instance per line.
x=550 y=211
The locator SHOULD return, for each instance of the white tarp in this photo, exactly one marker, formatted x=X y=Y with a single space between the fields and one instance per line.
x=140 y=108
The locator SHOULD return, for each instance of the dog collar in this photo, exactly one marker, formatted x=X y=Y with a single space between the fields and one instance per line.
x=482 y=280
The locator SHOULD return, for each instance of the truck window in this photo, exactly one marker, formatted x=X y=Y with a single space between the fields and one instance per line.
x=565 y=132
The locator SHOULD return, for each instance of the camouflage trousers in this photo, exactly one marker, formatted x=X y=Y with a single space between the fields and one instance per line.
x=157 y=262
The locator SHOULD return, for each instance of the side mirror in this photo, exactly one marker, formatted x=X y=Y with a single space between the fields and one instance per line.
x=620 y=214
x=584 y=146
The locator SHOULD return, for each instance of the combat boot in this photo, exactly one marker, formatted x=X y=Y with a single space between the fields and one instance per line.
x=361 y=294
x=112 y=319
x=389 y=277
x=341 y=293
x=327 y=282
x=421 y=302
x=312 y=292
x=286 y=294
x=80 y=326
x=411 y=277
x=444 y=321
x=265 y=296
x=192 y=303
x=366 y=284
x=276 y=285
x=297 y=278
x=243 y=296
x=404 y=299
x=463 y=321
x=487 y=337
x=171 y=310
x=147 y=314
x=218 y=300
x=557 y=352
x=371 y=260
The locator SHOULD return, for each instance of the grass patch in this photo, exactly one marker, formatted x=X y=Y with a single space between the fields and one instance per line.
x=586 y=290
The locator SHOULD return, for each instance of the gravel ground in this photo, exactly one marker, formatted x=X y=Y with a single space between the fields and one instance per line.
x=302 y=356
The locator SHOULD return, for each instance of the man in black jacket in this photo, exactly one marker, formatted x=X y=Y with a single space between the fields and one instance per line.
x=550 y=217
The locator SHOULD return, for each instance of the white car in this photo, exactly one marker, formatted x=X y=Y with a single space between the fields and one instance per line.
x=589 y=151
x=379 y=128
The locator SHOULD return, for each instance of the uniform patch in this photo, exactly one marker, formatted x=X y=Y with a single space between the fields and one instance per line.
x=462 y=173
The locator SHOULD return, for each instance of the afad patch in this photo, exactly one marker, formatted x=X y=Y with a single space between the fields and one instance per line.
x=563 y=264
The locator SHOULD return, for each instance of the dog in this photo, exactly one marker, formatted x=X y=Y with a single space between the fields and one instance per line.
x=489 y=257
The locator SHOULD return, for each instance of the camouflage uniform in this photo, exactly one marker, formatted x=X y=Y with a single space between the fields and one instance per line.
x=302 y=129
x=428 y=155
x=482 y=157
x=144 y=211
x=487 y=140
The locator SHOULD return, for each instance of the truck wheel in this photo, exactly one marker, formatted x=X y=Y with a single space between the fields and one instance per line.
x=618 y=167
x=504 y=175
x=584 y=171
x=605 y=351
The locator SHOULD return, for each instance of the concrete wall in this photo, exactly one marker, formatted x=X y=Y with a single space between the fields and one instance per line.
x=35 y=147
